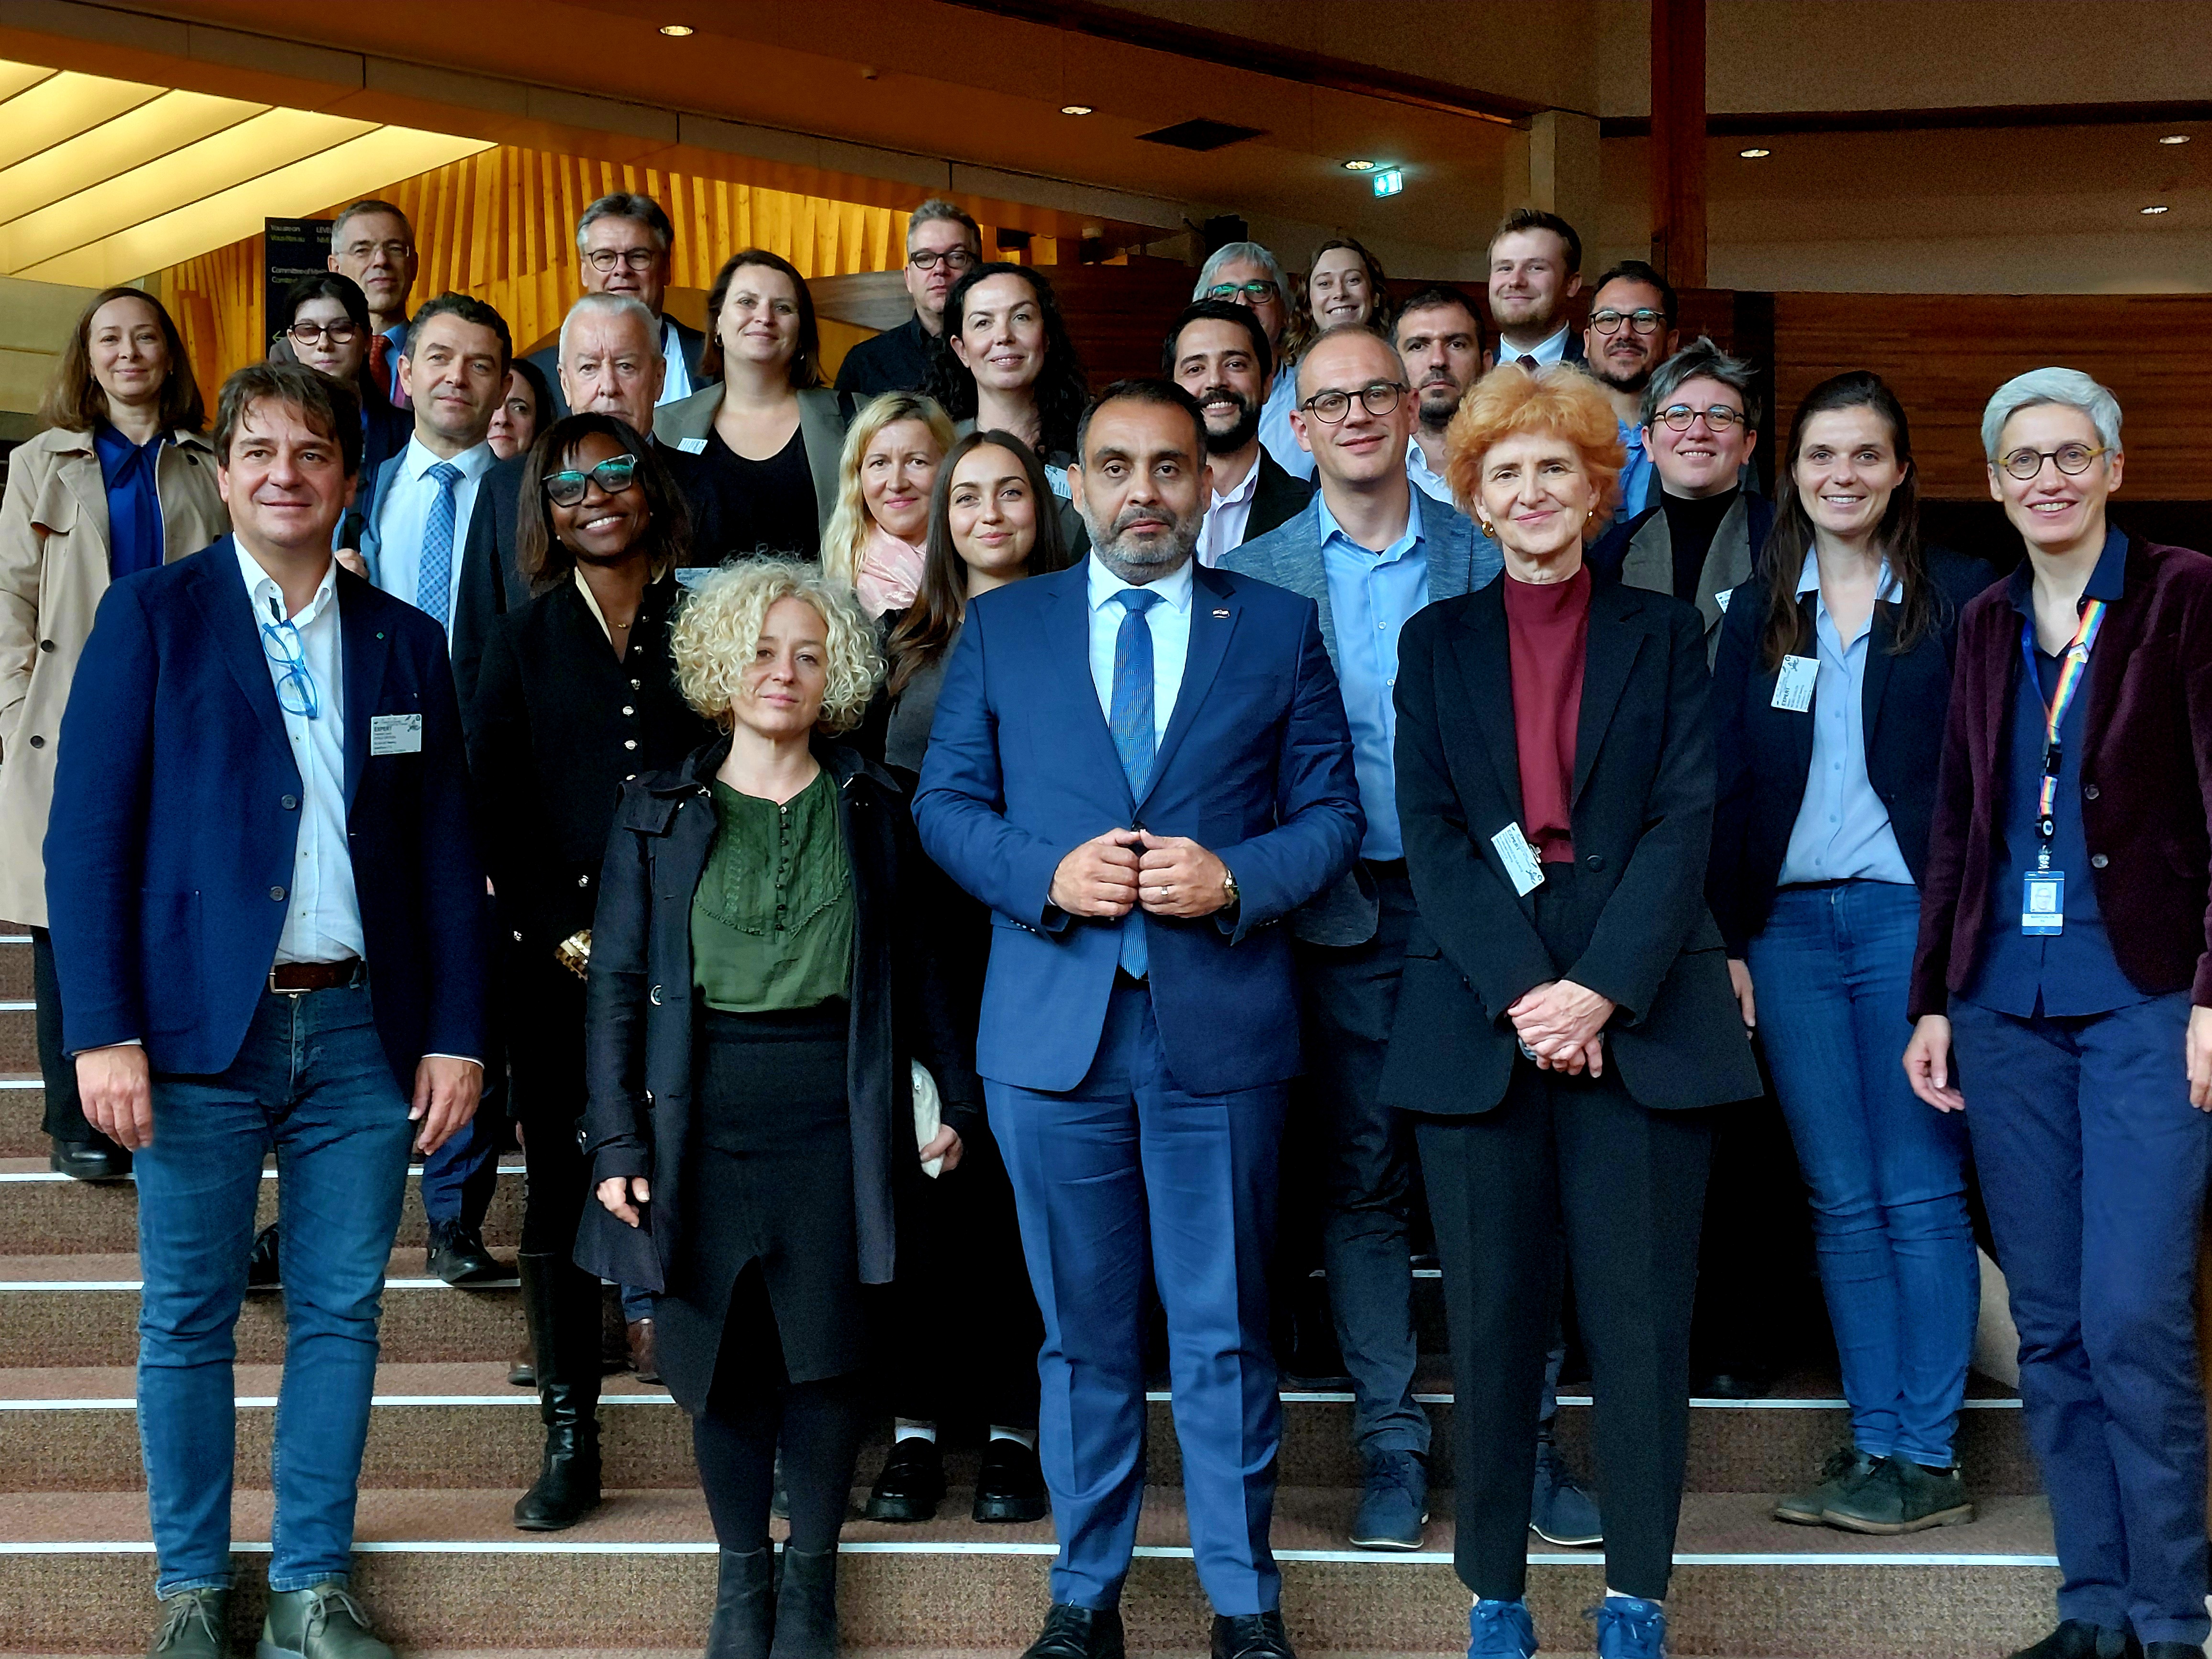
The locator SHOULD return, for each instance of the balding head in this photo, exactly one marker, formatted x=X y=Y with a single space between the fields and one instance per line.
x=1354 y=446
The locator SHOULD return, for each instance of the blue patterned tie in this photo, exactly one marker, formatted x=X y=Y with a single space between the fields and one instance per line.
x=434 y=582
x=1133 y=737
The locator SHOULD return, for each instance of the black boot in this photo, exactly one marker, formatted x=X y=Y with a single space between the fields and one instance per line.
x=806 y=1606
x=562 y=1303
x=745 y=1607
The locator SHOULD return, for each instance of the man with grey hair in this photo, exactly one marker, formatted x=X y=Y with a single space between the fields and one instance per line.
x=372 y=242
x=2063 y=954
x=943 y=244
x=1699 y=539
x=1247 y=274
x=625 y=246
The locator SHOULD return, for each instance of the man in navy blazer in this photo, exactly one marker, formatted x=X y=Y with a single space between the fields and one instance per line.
x=1140 y=766
x=266 y=907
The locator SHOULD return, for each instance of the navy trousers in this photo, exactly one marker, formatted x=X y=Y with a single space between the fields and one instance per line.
x=1129 y=1170
x=2093 y=1164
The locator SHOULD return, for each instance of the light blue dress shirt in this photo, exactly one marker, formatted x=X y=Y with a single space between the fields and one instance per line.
x=1635 y=477
x=676 y=379
x=322 y=911
x=403 y=512
x=1370 y=595
x=1170 y=625
x=1430 y=482
x=1550 y=349
x=1843 y=831
x=1275 y=433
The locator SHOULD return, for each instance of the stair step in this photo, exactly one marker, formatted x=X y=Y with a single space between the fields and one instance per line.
x=22 y=1107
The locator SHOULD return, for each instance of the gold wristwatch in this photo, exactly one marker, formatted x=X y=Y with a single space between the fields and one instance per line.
x=1228 y=888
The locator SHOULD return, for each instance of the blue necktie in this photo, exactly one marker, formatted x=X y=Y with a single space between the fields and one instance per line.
x=434 y=582
x=1132 y=725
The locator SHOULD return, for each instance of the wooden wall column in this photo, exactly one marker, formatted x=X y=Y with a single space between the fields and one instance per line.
x=1677 y=141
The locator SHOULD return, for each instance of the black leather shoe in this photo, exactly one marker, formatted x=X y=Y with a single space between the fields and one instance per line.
x=1011 y=1486
x=1251 y=1635
x=745 y=1607
x=1073 y=1632
x=912 y=1484
x=262 y=1272
x=457 y=1255
x=561 y=1304
x=2171 y=1650
x=95 y=1160
x=806 y=1606
x=2077 y=1638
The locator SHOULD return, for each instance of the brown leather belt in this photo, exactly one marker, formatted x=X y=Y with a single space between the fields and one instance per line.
x=296 y=978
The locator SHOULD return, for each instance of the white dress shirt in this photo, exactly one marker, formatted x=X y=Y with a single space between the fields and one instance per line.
x=1170 y=625
x=1275 y=433
x=322 y=911
x=1226 y=518
x=677 y=382
x=1550 y=350
x=1429 y=483
x=402 y=513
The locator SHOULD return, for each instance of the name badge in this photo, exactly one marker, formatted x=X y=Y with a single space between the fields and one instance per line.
x=1793 y=686
x=1523 y=868
x=1722 y=598
x=2042 y=902
x=395 y=734
x=692 y=446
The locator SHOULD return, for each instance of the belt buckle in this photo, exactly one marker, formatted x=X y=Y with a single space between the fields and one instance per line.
x=277 y=990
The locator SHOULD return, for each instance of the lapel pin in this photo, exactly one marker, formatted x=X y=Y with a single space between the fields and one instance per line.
x=1221 y=613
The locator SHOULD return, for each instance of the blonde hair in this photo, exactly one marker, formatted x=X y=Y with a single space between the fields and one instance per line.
x=720 y=623
x=1558 y=401
x=849 y=525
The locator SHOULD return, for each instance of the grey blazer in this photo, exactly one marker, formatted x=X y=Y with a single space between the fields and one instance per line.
x=1461 y=560
x=1648 y=560
x=821 y=423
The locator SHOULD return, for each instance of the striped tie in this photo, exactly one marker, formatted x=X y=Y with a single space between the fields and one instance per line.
x=1133 y=737
x=433 y=582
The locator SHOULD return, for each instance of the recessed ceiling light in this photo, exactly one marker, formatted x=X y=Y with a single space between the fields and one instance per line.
x=1075 y=109
x=1361 y=167
x=1754 y=153
x=2154 y=209
x=2175 y=138
x=677 y=28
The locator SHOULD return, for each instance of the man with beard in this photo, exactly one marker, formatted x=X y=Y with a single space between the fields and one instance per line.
x=1138 y=763
x=1218 y=352
x=1439 y=340
x=1630 y=332
x=1535 y=268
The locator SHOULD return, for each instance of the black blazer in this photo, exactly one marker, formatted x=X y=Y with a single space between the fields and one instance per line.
x=1279 y=497
x=1765 y=753
x=1643 y=804
x=554 y=710
x=638 y=1036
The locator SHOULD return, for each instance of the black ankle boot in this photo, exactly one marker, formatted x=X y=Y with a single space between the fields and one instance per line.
x=745 y=1607
x=562 y=1303
x=806 y=1606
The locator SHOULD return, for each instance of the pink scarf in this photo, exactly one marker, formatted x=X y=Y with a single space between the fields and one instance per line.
x=890 y=575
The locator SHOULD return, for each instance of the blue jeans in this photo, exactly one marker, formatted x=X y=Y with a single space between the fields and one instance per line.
x=311 y=1081
x=1887 y=1173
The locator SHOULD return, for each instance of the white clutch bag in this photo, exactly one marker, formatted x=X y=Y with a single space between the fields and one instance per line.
x=928 y=1117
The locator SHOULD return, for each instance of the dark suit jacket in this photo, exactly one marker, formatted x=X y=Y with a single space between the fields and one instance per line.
x=176 y=818
x=1765 y=753
x=1256 y=766
x=2145 y=775
x=1279 y=497
x=1643 y=804
x=548 y=359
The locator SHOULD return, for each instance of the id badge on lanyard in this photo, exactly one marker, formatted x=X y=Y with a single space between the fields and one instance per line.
x=2043 y=890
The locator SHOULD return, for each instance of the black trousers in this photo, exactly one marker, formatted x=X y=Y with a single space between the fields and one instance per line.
x=64 y=1119
x=544 y=1011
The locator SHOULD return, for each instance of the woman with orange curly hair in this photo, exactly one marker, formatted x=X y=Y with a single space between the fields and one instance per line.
x=1566 y=1013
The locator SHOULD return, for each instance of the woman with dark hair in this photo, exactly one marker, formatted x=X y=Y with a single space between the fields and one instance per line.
x=576 y=694
x=120 y=480
x=526 y=406
x=326 y=326
x=1009 y=365
x=1344 y=285
x=770 y=434
x=1832 y=684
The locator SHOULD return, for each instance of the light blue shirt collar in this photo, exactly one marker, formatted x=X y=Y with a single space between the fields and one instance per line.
x=417 y=458
x=1175 y=589
x=1405 y=543
x=1886 y=587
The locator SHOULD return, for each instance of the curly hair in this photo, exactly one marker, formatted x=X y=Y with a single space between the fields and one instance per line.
x=1557 y=401
x=847 y=534
x=715 y=632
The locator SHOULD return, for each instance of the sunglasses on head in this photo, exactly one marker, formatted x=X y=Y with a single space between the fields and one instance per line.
x=613 y=476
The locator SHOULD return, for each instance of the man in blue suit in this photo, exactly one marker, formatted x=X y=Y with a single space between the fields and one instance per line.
x=266 y=904
x=1140 y=765
x=1369 y=549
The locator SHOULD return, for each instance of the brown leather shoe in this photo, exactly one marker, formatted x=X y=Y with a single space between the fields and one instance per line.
x=644 y=1359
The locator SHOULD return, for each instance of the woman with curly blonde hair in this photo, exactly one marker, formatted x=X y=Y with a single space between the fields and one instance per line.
x=1565 y=1011
x=761 y=993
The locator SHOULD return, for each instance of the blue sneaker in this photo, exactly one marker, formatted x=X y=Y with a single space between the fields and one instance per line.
x=1393 y=1504
x=1629 y=1627
x=1500 y=1630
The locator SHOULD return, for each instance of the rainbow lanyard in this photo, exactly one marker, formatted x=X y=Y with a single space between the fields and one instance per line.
x=2072 y=665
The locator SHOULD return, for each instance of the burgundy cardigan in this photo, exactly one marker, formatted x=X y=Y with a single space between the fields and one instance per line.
x=2145 y=777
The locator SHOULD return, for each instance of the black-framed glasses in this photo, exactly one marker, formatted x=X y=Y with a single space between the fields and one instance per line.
x=2072 y=459
x=1377 y=397
x=614 y=475
x=1643 y=320
x=1718 y=418
x=295 y=686
x=954 y=259
x=1253 y=292
x=341 y=332
x=639 y=259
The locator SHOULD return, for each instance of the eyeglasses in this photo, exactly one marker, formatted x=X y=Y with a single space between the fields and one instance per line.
x=295 y=686
x=394 y=252
x=613 y=476
x=1608 y=321
x=1253 y=292
x=639 y=259
x=2072 y=459
x=1377 y=397
x=337 y=333
x=1718 y=419
x=954 y=259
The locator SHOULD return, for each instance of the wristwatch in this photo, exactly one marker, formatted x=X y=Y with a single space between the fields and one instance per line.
x=1228 y=888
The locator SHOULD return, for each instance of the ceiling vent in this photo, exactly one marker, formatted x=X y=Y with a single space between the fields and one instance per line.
x=1201 y=135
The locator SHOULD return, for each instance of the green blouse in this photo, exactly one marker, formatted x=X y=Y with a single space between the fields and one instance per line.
x=772 y=917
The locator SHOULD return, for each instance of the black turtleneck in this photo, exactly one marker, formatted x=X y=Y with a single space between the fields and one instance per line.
x=1691 y=523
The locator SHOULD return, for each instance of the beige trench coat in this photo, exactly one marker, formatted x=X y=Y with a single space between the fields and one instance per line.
x=53 y=568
